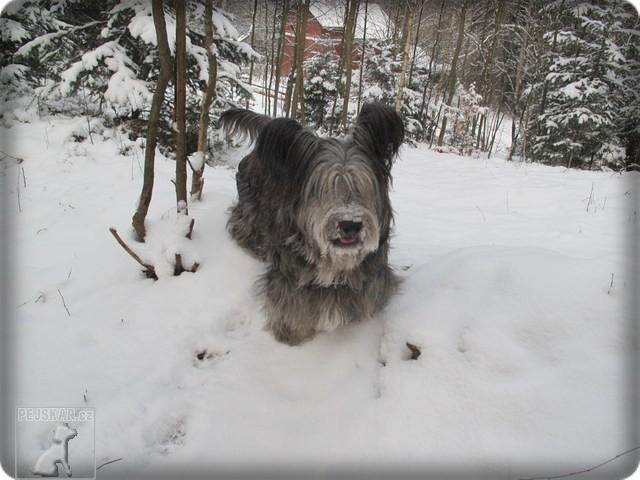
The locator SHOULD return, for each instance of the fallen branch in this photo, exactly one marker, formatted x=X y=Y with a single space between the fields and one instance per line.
x=63 y=302
x=580 y=472
x=6 y=155
x=18 y=191
x=415 y=351
x=149 y=270
x=107 y=463
x=191 y=223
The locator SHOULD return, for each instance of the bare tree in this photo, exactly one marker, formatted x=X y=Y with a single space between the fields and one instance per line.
x=415 y=43
x=154 y=116
x=180 y=113
x=197 y=180
x=280 y=55
x=406 y=43
x=253 y=41
x=349 y=34
x=451 y=85
x=297 y=110
x=364 y=49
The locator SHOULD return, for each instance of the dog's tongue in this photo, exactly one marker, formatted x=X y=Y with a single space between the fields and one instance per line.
x=347 y=240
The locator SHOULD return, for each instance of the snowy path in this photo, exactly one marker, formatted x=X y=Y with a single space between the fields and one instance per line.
x=508 y=293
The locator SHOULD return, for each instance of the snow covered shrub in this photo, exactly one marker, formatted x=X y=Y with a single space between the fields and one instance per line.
x=381 y=69
x=99 y=58
x=320 y=89
x=468 y=107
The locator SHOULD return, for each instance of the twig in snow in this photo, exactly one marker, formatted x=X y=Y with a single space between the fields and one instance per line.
x=5 y=155
x=149 y=270
x=18 y=190
x=24 y=179
x=191 y=223
x=63 y=302
x=415 y=351
x=579 y=472
x=69 y=276
x=484 y=219
x=610 y=285
x=107 y=463
x=590 y=199
x=178 y=268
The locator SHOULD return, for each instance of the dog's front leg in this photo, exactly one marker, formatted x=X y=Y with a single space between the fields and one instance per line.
x=288 y=315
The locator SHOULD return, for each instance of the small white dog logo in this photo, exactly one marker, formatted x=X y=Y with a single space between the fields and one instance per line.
x=57 y=453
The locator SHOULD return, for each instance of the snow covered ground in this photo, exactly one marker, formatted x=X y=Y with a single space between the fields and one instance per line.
x=517 y=290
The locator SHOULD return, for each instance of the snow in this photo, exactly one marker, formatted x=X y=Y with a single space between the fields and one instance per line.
x=12 y=31
x=517 y=288
x=124 y=88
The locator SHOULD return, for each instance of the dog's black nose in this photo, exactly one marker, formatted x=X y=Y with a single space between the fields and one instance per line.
x=349 y=228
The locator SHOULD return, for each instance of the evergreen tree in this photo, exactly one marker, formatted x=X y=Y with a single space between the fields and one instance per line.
x=100 y=58
x=578 y=117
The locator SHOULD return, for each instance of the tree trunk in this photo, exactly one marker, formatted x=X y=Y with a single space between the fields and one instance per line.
x=406 y=44
x=347 y=52
x=181 y=97
x=154 y=116
x=415 y=43
x=362 y=55
x=452 y=75
x=197 y=180
x=280 y=55
x=272 y=60
x=253 y=40
x=301 y=40
x=332 y=124
x=434 y=50
x=288 y=96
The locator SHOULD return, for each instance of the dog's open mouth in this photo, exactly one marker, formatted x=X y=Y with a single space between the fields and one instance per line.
x=346 y=241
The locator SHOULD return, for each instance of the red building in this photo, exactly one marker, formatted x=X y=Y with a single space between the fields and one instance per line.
x=325 y=29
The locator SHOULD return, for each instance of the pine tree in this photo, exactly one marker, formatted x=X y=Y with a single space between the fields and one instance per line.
x=578 y=118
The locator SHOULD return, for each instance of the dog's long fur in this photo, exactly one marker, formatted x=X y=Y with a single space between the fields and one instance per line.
x=317 y=210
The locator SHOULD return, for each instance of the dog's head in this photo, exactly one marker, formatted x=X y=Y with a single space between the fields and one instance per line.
x=330 y=196
x=338 y=187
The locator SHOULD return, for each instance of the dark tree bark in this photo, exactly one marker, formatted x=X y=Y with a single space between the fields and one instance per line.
x=280 y=55
x=297 y=111
x=197 y=180
x=349 y=34
x=364 y=49
x=451 y=85
x=415 y=42
x=406 y=43
x=180 y=114
x=152 y=125
x=253 y=41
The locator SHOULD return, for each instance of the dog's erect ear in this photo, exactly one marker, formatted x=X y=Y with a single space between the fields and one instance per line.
x=379 y=132
x=285 y=147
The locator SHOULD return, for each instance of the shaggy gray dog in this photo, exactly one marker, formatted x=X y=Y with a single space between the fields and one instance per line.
x=317 y=210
